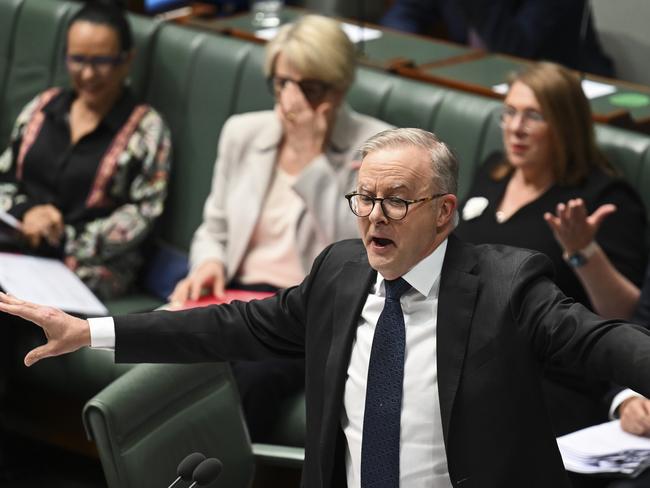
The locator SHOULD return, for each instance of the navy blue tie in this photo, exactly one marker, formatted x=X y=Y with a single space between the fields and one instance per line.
x=381 y=418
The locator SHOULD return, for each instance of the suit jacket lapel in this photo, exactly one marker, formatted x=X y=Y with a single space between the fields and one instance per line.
x=258 y=169
x=350 y=296
x=456 y=302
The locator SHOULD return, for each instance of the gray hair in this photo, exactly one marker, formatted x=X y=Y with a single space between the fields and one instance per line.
x=443 y=161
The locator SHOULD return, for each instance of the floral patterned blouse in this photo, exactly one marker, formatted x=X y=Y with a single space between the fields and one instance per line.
x=109 y=186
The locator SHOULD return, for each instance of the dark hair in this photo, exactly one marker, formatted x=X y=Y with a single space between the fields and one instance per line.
x=107 y=13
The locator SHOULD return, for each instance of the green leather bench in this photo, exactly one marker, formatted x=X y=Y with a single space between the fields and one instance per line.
x=197 y=80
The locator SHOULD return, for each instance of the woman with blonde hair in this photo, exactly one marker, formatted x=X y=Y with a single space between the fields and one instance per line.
x=278 y=187
x=551 y=157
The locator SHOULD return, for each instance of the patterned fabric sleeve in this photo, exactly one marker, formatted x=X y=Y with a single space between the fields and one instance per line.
x=105 y=239
x=12 y=199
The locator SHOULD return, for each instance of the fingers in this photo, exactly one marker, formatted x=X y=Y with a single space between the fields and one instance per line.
x=32 y=234
x=601 y=213
x=20 y=308
x=552 y=221
x=196 y=286
x=295 y=110
x=218 y=288
x=41 y=352
x=43 y=222
x=293 y=100
x=181 y=292
x=635 y=416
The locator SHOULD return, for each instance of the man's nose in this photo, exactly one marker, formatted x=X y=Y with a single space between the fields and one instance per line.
x=377 y=214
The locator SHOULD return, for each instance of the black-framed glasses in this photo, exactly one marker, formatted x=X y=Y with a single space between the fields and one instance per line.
x=313 y=90
x=530 y=119
x=394 y=208
x=102 y=65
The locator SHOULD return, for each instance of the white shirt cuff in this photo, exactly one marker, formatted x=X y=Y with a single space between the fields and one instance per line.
x=102 y=332
x=620 y=398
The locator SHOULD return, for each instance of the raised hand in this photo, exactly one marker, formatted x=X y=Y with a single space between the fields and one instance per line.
x=305 y=128
x=64 y=332
x=573 y=228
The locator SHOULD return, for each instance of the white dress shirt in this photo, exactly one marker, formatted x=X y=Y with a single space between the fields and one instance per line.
x=423 y=460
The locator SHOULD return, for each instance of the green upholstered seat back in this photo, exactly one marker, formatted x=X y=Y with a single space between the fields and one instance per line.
x=36 y=50
x=149 y=419
x=195 y=82
x=9 y=10
x=252 y=91
x=465 y=122
x=626 y=150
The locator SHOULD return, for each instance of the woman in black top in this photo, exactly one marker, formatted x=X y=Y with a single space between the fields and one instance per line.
x=551 y=157
x=86 y=169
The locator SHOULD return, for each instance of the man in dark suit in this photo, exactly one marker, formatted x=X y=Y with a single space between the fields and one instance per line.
x=423 y=353
x=554 y=30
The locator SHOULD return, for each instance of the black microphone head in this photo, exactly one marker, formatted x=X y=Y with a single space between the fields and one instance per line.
x=207 y=471
x=187 y=466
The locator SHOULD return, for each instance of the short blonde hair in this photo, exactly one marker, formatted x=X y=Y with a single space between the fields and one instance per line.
x=318 y=48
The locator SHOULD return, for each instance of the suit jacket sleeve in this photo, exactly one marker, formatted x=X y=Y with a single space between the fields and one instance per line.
x=566 y=334
x=274 y=327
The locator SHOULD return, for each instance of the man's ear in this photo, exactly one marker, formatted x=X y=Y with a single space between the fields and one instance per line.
x=446 y=210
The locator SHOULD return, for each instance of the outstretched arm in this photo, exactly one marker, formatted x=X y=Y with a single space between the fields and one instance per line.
x=611 y=293
x=64 y=332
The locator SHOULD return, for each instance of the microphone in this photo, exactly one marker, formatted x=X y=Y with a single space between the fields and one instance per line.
x=187 y=466
x=206 y=472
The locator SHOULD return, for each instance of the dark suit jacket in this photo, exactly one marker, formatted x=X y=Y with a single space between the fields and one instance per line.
x=499 y=317
x=535 y=29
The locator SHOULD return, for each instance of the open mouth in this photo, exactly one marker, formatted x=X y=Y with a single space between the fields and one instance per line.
x=381 y=242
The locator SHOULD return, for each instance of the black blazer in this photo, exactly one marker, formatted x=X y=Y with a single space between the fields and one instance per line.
x=500 y=316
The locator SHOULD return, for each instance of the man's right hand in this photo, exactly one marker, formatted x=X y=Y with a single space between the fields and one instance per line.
x=635 y=415
x=64 y=332
x=210 y=274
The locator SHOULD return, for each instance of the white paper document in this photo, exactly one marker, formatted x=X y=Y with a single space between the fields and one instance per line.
x=47 y=282
x=605 y=448
x=592 y=89
x=355 y=33
x=9 y=219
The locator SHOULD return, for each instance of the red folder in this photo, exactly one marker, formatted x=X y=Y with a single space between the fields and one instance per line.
x=229 y=296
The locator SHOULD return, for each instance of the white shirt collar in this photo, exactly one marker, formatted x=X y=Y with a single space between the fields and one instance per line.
x=424 y=274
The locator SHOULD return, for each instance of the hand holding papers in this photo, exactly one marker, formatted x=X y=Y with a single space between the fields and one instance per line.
x=605 y=448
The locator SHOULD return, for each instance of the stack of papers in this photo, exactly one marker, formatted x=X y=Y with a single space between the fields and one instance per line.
x=605 y=448
x=47 y=282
